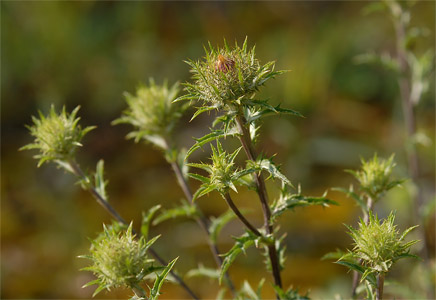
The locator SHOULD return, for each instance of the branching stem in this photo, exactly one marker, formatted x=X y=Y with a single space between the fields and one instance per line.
x=263 y=196
x=111 y=210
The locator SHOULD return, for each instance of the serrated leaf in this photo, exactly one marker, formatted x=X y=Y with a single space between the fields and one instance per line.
x=358 y=268
x=334 y=255
x=202 y=271
x=291 y=201
x=241 y=245
x=272 y=169
x=146 y=220
x=155 y=291
x=353 y=196
x=212 y=136
x=184 y=210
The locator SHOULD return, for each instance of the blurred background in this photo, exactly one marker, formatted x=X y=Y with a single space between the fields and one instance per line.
x=88 y=53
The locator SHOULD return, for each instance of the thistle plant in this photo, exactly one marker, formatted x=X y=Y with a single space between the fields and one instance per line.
x=414 y=71
x=375 y=179
x=226 y=80
x=57 y=137
x=377 y=246
x=120 y=260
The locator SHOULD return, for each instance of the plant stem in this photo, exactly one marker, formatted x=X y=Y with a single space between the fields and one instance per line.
x=356 y=275
x=238 y=213
x=404 y=82
x=263 y=196
x=202 y=221
x=111 y=210
x=380 y=283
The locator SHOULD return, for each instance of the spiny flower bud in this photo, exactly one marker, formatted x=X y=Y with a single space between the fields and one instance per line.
x=152 y=112
x=375 y=176
x=380 y=244
x=227 y=76
x=119 y=260
x=57 y=136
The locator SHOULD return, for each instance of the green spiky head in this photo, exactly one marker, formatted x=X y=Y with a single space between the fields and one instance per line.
x=226 y=76
x=57 y=136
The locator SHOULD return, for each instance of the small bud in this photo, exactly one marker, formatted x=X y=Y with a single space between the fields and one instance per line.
x=119 y=260
x=375 y=176
x=57 y=136
x=379 y=244
x=152 y=112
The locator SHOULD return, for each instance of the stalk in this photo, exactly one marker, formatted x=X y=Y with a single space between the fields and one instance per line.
x=380 y=283
x=111 y=210
x=238 y=213
x=263 y=197
x=404 y=83
x=203 y=222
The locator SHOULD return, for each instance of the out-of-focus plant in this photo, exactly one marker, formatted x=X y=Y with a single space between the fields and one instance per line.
x=413 y=71
x=375 y=179
x=377 y=246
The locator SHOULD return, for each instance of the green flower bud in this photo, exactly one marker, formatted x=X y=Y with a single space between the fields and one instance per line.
x=375 y=176
x=119 y=260
x=379 y=244
x=152 y=112
x=57 y=136
x=226 y=76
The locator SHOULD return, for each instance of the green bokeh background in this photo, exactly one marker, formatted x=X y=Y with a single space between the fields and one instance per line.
x=88 y=53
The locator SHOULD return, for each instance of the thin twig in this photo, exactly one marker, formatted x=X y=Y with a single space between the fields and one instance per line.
x=241 y=217
x=263 y=196
x=380 y=284
x=111 y=210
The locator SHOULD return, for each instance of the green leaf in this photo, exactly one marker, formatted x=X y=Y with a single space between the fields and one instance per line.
x=271 y=168
x=358 y=268
x=202 y=271
x=290 y=294
x=217 y=224
x=203 y=109
x=203 y=179
x=213 y=136
x=350 y=193
x=241 y=245
x=291 y=201
x=146 y=220
x=99 y=182
x=184 y=210
x=155 y=291
x=334 y=255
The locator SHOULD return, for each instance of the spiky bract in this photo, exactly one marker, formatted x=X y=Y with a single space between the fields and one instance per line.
x=57 y=136
x=152 y=112
x=380 y=244
x=227 y=76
